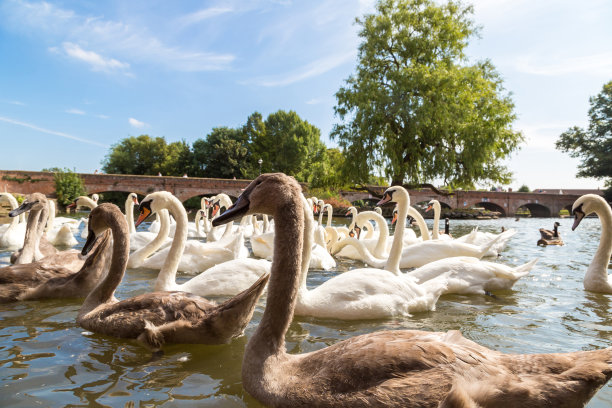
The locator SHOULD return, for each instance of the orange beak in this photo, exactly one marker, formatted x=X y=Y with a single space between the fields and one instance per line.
x=429 y=207
x=144 y=213
x=135 y=200
x=215 y=210
x=394 y=219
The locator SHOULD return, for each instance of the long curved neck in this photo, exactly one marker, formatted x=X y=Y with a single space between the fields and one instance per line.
x=269 y=338
x=143 y=253
x=436 y=223
x=308 y=237
x=197 y=219
x=395 y=255
x=367 y=257
x=105 y=290
x=87 y=202
x=14 y=204
x=129 y=214
x=40 y=231
x=51 y=218
x=167 y=274
x=420 y=222
x=266 y=223
x=383 y=234
x=29 y=242
x=598 y=269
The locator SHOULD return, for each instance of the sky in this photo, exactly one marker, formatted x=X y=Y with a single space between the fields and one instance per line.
x=76 y=77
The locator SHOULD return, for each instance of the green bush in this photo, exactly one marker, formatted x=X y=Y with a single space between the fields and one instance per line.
x=68 y=186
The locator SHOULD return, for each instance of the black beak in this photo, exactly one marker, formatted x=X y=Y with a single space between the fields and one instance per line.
x=89 y=244
x=578 y=216
x=144 y=211
x=240 y=208
x=25 y=206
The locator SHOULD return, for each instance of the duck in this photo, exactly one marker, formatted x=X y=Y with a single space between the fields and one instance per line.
x=161 y=317
x=225 y=278
x=40 y=280
x=596 y=278
x=392 y=368
x=196 y=256
x=549 y=237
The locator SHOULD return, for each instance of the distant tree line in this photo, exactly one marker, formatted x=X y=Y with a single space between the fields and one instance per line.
x=283 y=142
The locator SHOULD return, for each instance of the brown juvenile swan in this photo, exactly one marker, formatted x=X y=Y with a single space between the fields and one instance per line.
x=39 y=281
x=405 y=368
x=35 y=244
x=158 y=317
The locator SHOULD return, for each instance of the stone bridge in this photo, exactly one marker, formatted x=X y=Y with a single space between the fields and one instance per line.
x=507 y=203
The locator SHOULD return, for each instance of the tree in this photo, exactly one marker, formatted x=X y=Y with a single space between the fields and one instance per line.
x=68 y=185
x=285 y=143
x=415 y=108
x=136 y=155
x=524 y=189
x=222 y=153
x=593 y=145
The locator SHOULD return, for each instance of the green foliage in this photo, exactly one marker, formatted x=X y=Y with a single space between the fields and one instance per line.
x=415 y=109
x=221 y=154
x=524 y=189
x=68 y=186
x=148 y=156
x=593 y=145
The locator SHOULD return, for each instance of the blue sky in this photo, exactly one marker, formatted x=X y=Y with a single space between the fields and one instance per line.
x=78 y=76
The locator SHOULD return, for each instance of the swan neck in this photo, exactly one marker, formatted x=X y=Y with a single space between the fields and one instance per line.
x=436 y=222
x=129 y=214
x=29 y=241
x=167 y=274
x=598 y=269
x=143 y=253
x=383 y=235
x=308 y=238
x=420 y=222
x=105 y=290
x=393 y=262
x=269 y=338
x=51 y=218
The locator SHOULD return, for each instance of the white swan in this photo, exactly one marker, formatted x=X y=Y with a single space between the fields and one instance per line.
x=468 y=275
x=13 y=234
x=226 y=278
x=84 y=201
x=480 y=238
x=60 y=235
x=377 y=247
x=596 y=278
x=435 y=204
x=196 y=256
x=365 y=293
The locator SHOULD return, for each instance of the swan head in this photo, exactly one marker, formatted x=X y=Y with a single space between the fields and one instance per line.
x=395 y=194
x=101 y=219
x=133 y=197
x=153 y=203
x=34 y=201
x=267 y=194
x=351 y=211
x=95 y=197
x=585 y=205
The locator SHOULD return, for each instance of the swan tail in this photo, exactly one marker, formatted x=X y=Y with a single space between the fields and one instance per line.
x=231 y=317
x=524 y=269
x=486 y=247
x=151 y=337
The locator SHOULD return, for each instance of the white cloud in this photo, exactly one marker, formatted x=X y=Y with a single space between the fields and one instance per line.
x=313 y=69
x=75 y=111
x=102 y=116
x=17 y=103
x=93 y=59
x=51 y=132
x=136 y=123
x=126 y=42
x=598 y=64
x=201 y=15
x=314 y=101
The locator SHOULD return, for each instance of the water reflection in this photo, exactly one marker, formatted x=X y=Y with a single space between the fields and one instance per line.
x=47 y=360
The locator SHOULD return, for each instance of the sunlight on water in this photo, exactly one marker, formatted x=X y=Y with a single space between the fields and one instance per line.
x=47 y=360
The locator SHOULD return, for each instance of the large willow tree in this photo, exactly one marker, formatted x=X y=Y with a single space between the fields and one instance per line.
x=416 y=108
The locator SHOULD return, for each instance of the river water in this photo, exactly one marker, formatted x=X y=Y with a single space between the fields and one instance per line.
x=47 y=360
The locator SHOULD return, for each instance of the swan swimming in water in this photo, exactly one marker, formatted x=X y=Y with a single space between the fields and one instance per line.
x=399 y=368
x=159 y=317
x=596 y=278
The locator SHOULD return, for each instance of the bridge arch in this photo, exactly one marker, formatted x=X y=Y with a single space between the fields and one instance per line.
x=490 y=206
x=537 y=210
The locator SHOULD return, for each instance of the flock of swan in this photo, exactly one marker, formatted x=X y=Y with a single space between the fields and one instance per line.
x=385 y=368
